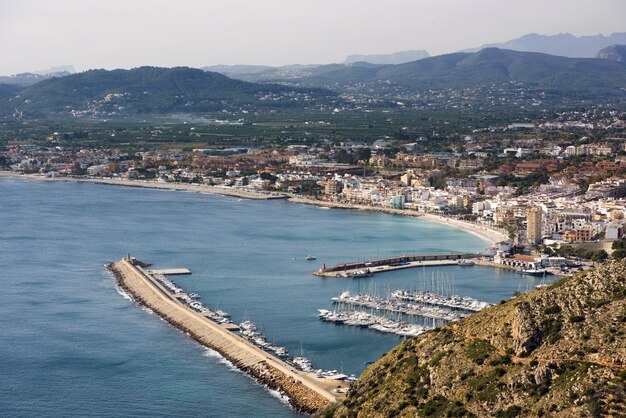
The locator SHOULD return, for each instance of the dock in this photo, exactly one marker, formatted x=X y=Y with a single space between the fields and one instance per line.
x=364 y=268
x=306 y=392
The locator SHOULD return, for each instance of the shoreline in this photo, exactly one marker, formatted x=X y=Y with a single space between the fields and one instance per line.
x=146 y=184
x=490 y=235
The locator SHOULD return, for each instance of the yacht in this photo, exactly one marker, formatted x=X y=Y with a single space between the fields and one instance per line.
x=465 y=263
x=311 y=257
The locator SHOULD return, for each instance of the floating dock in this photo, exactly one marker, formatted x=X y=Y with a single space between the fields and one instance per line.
x=380 y=265
x=306 y=392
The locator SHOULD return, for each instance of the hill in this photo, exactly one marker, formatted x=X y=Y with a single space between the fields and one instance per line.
x=149 y=90
x=497 y=65
x=558 y=351
x=573 y=77
x=563 y=44
x=393 y=58
x=8 y=90
x=614 y=53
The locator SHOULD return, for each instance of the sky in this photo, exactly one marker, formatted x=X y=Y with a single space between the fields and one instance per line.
x=38 y=34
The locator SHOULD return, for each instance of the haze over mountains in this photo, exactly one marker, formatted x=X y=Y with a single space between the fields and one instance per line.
x=563 y=44
x=162 y=90
x=394 y=58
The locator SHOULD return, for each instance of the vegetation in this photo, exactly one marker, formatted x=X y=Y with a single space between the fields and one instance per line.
x=148 y=90
x=553 y=352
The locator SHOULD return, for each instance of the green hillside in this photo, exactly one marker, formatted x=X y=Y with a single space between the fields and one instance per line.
x=496 y=65
x=148 y=90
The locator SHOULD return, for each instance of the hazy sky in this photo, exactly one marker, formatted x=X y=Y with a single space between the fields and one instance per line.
x=37 y=34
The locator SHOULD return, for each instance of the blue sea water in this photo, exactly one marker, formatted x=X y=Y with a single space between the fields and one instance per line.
x=71 y=345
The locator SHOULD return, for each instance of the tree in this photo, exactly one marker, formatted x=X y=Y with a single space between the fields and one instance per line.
x=599 y=256
x=619 y=254
x=619 y=244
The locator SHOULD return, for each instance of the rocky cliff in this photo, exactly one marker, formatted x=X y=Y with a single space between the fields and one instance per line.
x=556 y=352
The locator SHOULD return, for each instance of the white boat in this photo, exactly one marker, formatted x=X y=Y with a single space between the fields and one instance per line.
x=361 y=273
x=311 y=257
x=465 y=263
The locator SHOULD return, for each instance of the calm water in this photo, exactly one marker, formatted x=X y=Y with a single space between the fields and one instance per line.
x=70 y=344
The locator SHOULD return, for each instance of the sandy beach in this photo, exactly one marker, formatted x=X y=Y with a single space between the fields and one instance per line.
x=487 y=234
x=199 y=188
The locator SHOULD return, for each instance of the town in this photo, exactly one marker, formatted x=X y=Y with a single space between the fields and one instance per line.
x=556 y=189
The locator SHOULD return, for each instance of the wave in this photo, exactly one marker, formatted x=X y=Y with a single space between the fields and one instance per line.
x=284 y=399
x=209 y=352
x=124 y=294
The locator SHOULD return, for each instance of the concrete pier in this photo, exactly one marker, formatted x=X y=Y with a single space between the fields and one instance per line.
x=380 y=265
x=170 y=272
x=306 y=392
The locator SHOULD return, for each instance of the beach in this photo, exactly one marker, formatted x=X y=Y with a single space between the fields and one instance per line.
x=485 y=233
x=187 y=187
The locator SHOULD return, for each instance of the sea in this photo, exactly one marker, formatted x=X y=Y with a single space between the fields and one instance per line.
x=72 y=344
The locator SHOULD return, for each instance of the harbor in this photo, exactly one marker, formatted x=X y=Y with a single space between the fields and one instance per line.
x=402 y=312
x=308 y=390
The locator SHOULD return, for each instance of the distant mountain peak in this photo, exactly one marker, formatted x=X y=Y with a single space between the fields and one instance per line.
x=562 y=44
x=393 y=58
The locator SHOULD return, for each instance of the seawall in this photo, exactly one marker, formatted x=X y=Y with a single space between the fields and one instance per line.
x=305 y=391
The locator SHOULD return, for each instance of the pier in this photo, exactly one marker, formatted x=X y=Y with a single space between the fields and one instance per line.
x=170 y=272
x=379 y=265
x=306 y=391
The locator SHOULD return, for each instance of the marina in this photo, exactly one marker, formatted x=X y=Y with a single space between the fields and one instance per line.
x=462 y=303
x=423 y=305
x=374 y=322
x=397 y=306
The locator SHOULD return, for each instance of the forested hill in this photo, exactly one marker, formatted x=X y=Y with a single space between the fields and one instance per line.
x=149 y=90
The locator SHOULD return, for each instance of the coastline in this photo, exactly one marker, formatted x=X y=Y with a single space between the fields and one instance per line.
x=490 y=235
x=187 y=187
x=484 y=233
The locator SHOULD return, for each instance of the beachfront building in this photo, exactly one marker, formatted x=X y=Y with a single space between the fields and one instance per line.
x=533 y=221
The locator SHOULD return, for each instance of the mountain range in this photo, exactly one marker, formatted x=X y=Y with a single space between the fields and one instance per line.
x=563 y=44
x=586 y=76
x=170 y=90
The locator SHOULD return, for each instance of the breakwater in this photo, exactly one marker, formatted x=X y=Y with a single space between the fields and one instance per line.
x=306 y=392
x=378 y=265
